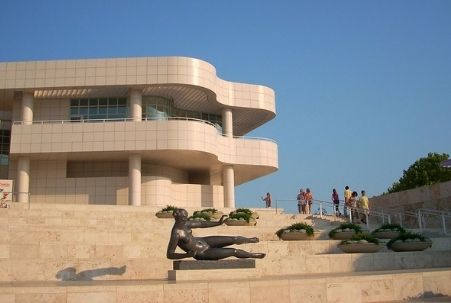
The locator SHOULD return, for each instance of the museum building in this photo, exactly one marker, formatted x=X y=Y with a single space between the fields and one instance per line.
x=138 y=131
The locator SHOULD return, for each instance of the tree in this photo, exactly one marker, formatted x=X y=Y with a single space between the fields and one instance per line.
x=425 y=171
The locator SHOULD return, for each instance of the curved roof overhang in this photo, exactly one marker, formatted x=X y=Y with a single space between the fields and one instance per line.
x=193 y=85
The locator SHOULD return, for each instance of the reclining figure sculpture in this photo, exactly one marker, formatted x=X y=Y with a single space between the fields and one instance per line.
x=204 y=248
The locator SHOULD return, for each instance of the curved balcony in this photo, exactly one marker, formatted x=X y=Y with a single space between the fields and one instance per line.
x=176 y=142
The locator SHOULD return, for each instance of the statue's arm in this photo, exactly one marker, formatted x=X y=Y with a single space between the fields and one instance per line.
x=172 y=246
x=205 y=224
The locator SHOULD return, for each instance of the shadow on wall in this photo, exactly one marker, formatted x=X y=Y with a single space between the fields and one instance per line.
x=69 y=273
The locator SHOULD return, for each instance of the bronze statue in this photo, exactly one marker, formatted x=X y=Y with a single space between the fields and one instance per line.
x=204 y=248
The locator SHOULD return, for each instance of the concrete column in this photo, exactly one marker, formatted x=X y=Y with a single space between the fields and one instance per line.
x=227 y=122
x=134 y=177
x=27 y=108
x=229 y=186
x=23 y=180
x=135 y=98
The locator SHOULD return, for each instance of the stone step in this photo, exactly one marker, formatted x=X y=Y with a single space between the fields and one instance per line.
x=152 y=264
x=381 y=286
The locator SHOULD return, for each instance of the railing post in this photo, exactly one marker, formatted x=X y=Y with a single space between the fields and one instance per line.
x=388 y=219
x=367 y=221
x=400 y=219
x=419 y=221
x=321 y=210
x=383 y=217
x=349 y=214
x=444 y=223
x=276 y=206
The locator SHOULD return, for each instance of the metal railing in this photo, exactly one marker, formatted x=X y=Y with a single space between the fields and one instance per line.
x=383 y=216
x=143 y=119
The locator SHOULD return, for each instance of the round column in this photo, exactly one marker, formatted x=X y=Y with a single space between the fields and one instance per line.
x=27 y=108
x=227 y=122
x=23 y=180
x=229 y=186
x=135 y=98
x=134 y=176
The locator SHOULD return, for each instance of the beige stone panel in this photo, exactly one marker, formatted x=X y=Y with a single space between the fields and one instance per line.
x=437 y=283
x=407 y=286
x=147 y=294
x=4 y=235
x=4 y=251
x=82 y=251
x=109 y=251
x=182 y=293
x=41 y=298
x=308 y=290
x=24 y=251
x=340 y=263
x=5 y=274
x=362 y=262
x=343 y=292
x=97 y=297
x=317 y=264
x=52 y=251
x=229 y=292
x=377 y=289
x=270 y=291
x=8 y=298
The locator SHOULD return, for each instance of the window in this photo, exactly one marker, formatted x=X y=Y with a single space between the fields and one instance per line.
x=98 y=108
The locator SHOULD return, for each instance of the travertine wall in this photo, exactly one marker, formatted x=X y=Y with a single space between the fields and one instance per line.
x=48 y=184
x=436 y=196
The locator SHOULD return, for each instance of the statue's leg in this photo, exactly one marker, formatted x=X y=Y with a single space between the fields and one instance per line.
x=222 y=241
x=221 y=253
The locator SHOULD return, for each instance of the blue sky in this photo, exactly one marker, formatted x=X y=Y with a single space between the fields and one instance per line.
x=363 y=88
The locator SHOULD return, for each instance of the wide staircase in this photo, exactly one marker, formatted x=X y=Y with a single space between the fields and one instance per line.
x=97 y=253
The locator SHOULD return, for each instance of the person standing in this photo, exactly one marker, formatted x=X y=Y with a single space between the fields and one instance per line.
x=267 y=200
x=336 y=201
x=352 y=202
x=301 y=201
x=364 y=205
x=308 y=201
x=347 y=195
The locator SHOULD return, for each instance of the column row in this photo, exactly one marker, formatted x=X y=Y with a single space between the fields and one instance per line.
x=135 y=109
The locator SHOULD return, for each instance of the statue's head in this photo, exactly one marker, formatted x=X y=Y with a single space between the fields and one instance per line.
x=180 y=213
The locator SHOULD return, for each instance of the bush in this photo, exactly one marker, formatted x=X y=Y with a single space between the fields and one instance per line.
x=361 y=238
x=169 y=208
x=408 y=237
x=390 y=227
x=200 y=216
x=240 y=216
x=345 y=226
x=296 y=226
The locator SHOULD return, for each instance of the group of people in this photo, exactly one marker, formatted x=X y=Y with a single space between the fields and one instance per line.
x=305 y=201
x=358 y=206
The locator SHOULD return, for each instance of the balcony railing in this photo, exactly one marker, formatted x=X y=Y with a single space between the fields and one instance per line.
x=216 y=126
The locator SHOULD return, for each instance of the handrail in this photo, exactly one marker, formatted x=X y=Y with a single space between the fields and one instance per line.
x=143 y=119
x=380 y=214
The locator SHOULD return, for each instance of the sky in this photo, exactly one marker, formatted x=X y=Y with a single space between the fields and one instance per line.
x=363 y=88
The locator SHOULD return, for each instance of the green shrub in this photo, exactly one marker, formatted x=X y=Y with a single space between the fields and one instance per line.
x=169 y=208
x=200 y=216
x=361 y=238
x=243 y=210
x=296 y=226
x=344 y=226
x=390 y=227
x=240 y=216
x=408 y=237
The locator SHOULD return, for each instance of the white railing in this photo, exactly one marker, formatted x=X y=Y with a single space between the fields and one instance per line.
x=144 y=119
x=324 y=205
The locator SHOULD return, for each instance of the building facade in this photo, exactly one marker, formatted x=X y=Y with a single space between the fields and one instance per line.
x=137 y=131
